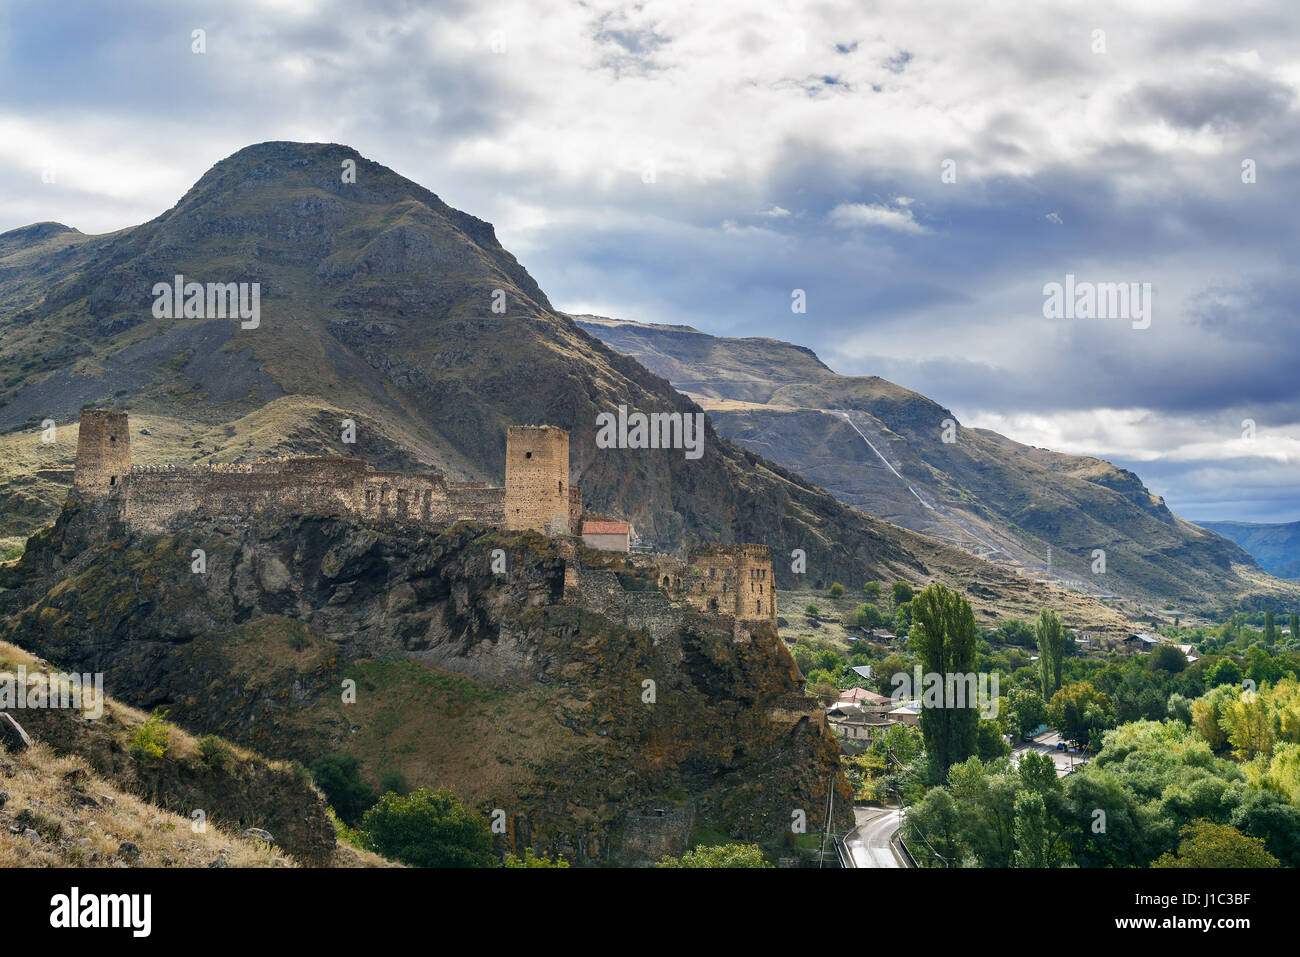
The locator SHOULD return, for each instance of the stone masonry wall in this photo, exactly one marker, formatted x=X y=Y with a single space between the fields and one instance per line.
x=537 y=479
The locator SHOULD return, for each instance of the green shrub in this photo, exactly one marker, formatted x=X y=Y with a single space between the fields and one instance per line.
x=428 y=829
x=394 y=781
x=812 y=611
x=150 y=740
x=722 y=855
x=339 y=776
x=836 y=590
x=217 y=753
x=531 y=860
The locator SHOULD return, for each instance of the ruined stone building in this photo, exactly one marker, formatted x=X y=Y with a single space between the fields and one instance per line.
x=731 y=580
x=537 y=494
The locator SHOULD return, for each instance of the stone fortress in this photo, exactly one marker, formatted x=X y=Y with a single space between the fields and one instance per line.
x=727 y=580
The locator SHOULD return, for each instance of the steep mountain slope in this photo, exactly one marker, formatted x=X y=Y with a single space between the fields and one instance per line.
x=896 y=454
x=1275 y=546
x=377 y=305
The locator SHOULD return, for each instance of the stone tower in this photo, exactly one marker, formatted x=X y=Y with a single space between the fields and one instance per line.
x=103 y=453
x=732 y=580
x=537 y=479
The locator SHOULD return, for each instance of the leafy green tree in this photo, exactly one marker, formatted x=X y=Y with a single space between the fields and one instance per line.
x=719 y=855
x=943 y=632
x=1166 y=658
x=989 y=743
x=1295 y=627
x=1016 y=633
x=811 y=610
x=1206 y=844
x=1028 y=710
x=394 y=781
x=1038 y=838
x=1224 y=672
x=1270 y=629
x=902 y=593
x=339 y=776
x=836 y=590
x=903 y=618
x=871 y=590
x=869 y=616
x=428 y=829
x=1051 y=652
x=1080 y=712
x=933 y=830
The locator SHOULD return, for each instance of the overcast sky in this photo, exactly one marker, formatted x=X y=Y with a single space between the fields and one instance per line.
x=696 y=162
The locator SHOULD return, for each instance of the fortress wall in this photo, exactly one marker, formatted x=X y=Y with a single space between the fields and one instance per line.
x=477 y=503
x=575 y=510
x=156 y=498
x=601 y=591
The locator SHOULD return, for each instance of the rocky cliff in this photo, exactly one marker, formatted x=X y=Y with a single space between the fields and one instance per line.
x=491 y=683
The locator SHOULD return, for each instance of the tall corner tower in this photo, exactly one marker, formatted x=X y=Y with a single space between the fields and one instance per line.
x=103 y=453
x=537 y=479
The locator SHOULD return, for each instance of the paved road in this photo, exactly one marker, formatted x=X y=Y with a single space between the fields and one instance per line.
x=868 y=843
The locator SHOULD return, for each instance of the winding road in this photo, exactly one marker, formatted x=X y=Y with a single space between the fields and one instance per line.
x=869 y=844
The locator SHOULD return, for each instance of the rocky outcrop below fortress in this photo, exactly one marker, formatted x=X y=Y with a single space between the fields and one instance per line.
x=604 y=729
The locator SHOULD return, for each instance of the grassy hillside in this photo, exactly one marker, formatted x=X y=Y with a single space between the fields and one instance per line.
x=86 y=794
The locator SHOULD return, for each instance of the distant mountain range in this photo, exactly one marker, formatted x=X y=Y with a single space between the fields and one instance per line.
x=898 y=455
x=1275 y=547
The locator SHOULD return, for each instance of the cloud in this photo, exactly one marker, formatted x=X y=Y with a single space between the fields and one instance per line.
x=778 y=135
x=853 y=215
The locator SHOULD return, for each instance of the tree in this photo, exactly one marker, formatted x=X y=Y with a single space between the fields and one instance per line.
x=428 y=829
x=1016 y=633
x=719 y=855
x=339 y=776
x=902 y=593
x=944 y=634
x=1206 y=844
x=869 y=616
x=1078 y=710
x=1051 y=652
x=1028 y=710
x=1270 y=629
x=871 y=590
x=1166 y=658
x=812 y=611
x=1295 y=627
x=1224 y=672
x=836 y=590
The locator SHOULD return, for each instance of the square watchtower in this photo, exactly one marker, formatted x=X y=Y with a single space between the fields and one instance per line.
x=537 y=479
x=103 y=453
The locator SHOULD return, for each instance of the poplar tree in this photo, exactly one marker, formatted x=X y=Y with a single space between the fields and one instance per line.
x=943 y=629
x=1051 y=652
